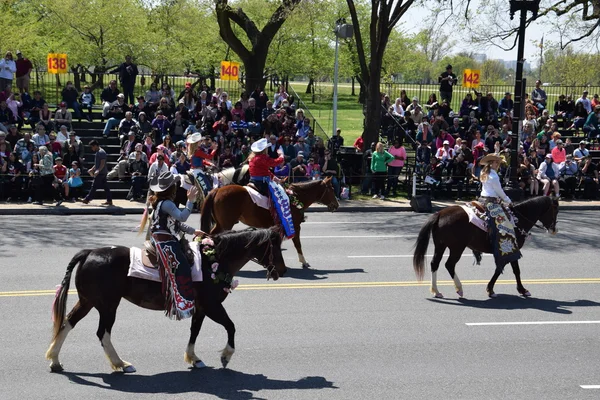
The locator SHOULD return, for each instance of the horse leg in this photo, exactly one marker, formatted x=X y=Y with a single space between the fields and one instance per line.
x=435 y=263
x=107 y=320
x=79 y=311
x=517 y=271
x=492 y=282
x=298 y=246
x=455 y=255
x=190 y=356
x=218 y=314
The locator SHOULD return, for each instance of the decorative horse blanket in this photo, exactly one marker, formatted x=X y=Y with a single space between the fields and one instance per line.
x=279 y=201
x=139 y=268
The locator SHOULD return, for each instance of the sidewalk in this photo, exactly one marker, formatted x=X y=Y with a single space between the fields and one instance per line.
x=123 y=207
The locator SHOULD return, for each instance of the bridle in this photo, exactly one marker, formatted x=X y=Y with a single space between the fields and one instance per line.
x=535 y=223
x=270 y=266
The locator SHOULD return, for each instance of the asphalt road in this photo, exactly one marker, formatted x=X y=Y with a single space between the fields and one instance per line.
x=355 y=326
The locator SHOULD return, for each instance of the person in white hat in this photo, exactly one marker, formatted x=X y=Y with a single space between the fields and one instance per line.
x=548 y=175
x=201 y=154
x=260 y=164
x=445 y=156
x=504 y=240
x=167 y=228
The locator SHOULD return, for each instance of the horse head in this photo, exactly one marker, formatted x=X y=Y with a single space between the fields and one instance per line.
x=550 y=217
x=328 y=197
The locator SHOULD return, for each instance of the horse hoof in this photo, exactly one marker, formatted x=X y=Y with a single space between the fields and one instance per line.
x=459 y=293
x=199 y=364
x=129 y=369
x=306 y=265
x=224 y=361
x=438 y=296
x=526 y=294
x=56 y=368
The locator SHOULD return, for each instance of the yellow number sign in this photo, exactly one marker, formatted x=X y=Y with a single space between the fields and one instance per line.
x=230 y=70
x=471 y=78
x=57 y=63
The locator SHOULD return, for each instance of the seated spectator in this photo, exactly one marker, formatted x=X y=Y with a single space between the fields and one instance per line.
x=425 y=134
x=423 y=156
x=226 y=159
x=289 y=151
x=580 y=116
x=238 y=127
x=561 y=108
x=144 y=126
x=568 y=176
x=456 y=130
x=53 y=146
x=527 y=176
x=538 y=96
x=86 y=101
x=14 y=104
x=77 y=144
x=138 y=169
x=120 y=170
x=178 y=127
x=581 y=152
x=585 y=102
x=160 y=151
x=69 y=97
x=63 y=116
x=559 y=154
x=443 y=137
x=75 y=182
x=63 y=135
x=156 y=168
x=60 y=182
x=282 y=171
x=13 y=136
x=35 y=106
x=71 y=155
x=298 y=169
x=253 y=117
x=153 y=96
x=591 y=125
x=6 y=117
x=467 y=105
x=149 y=147
x=22 y=144
x=46 y=118
x=590 y=179
x=161 y=126
x=181 y=164
x=116 y=112
x=194 y=128
x=445 y=157
x=548 y=175
x=108 y=97
x=506 y=105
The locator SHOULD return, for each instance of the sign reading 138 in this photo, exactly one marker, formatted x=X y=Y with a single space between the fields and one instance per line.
x=471 y=78
x=57 y=63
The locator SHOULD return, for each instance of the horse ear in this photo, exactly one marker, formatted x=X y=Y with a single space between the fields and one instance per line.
x=326 y=180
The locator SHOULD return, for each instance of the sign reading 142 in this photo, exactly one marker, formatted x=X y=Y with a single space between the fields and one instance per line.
x=471 y=78
x=230 y=70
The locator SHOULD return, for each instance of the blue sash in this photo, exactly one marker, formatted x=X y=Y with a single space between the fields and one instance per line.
x=281 y=203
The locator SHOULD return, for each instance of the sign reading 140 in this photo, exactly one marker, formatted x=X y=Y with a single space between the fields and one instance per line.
x=471 y=78
x=57 y=63
x=230 y=70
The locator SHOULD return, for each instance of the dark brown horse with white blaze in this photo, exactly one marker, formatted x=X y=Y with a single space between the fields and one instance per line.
x=229 y=205
x=451 y=229
x=102 y=282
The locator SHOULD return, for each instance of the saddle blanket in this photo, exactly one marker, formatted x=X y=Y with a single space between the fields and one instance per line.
x=258 y=199
x=137 y=269
x=474 y=218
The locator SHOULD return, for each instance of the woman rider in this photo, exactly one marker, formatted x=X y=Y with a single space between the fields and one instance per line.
x=501 y=228
x=200 y=158
x=167 y=228
x=260 y=164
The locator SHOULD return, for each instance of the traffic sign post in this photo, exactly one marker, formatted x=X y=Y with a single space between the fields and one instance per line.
x=471 y=78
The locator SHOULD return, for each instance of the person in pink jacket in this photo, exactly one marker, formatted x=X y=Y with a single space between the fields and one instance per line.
x=395 y=166
x=439 y=141
x=559 y=154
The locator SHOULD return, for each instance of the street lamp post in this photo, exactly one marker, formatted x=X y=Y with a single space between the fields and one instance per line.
x=512 y=189
x=342 y=31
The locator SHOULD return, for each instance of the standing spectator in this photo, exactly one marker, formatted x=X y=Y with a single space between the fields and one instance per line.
x=585 y=101
x=379 y=163
x=128 y=71
x=367 y=187
x=447 y=80
x=23 y=72
x=87 y=100
x=75 y=182
x=70 y=97
x=335 y=142
x=7 y=68
x=47 y=174
x=63 y=116
x=331 y=168
x=14 y=170
x=138 y=169
x=590 y=179
x=395 y=167
x=99 y=172
x=538 y=96
x=108 y=97
x=548 y=175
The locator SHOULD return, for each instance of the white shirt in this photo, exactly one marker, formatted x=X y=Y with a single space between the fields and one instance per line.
x=398 y=110
x=544 y=167
x=154 y=170
x=492 y=187
x=587 y=104
x=7 y=68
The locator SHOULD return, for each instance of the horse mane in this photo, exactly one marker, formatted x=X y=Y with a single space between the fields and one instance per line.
x=301 y=187
x=534 y=202
x=233 y=241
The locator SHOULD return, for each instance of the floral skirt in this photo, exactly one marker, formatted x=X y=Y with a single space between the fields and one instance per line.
x=502 y=233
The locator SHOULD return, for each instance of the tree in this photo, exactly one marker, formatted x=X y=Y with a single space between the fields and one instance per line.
x=253 y=47
x=384 y=17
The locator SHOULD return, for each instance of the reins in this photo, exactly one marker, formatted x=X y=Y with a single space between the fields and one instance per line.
x=534 y=224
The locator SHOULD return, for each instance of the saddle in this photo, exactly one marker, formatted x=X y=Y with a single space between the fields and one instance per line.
x=150 y=258
x=253 y=186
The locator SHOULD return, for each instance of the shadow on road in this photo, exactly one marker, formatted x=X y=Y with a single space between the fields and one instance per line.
x=513 y=302
x=223 y=383
x=310 y=274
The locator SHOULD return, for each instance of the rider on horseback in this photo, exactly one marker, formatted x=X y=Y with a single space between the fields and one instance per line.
x=501 y=228
x=167 y=228
x=200 y=154
x=260 y=164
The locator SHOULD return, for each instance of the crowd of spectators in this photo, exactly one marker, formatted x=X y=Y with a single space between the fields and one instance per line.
x=449 y=144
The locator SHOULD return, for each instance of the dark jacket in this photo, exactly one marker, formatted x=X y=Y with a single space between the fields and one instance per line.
x=108 y=95
x=69 y=96
x=127 y=73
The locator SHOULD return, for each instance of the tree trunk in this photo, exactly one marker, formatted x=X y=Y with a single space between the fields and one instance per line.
x=373 y=110
x=309 y=86
x=255 y=74
x=353 y=92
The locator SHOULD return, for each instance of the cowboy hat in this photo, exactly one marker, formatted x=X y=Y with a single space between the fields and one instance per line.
x=259 y=145
x=164 y=181
x=490 y=158
x=194 y=138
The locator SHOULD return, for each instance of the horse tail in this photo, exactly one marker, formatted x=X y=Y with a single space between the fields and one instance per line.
x=60 y=301
x=421 y=246
x=206 y=217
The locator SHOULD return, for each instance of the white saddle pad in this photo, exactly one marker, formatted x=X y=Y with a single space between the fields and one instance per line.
x=138 y=270
x=474 y=219
x=257 y=198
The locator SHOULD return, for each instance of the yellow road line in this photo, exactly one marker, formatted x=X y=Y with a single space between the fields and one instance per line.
x=351 y=285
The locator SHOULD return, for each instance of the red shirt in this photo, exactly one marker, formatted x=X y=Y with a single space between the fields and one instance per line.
x=359 y=143
x=23 y=66
x=261 y=163
x=202 y=154
x=60 y=171
x=153 y=158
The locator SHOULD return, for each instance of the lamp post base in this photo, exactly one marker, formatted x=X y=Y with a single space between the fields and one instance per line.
x=513 y=191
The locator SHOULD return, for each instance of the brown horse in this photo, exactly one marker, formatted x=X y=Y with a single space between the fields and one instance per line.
x=451 y=229
x=102 y=282
x=228 y=205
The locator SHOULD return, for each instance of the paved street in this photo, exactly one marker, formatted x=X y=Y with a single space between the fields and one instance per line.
x=355 y=326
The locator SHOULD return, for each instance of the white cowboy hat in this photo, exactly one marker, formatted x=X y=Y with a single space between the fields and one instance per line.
x=194 y=138
x=164 y=181
x=490 y=158
x=259 y=145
